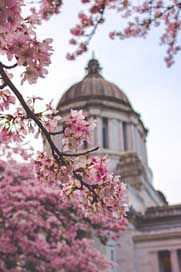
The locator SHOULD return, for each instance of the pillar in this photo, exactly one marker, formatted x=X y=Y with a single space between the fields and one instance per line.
x=174 y=261
x=121 y=136
x=133 y=137
x=99 y=131
x=155 y=262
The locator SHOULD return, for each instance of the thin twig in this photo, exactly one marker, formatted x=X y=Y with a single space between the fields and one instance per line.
x=81 y=153
x=56 y=133
x=9 y=67
x=88 y=186
x=91 y=34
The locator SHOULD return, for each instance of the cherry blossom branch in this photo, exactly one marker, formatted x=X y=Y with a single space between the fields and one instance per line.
x=91 y=188
x=99 y=21
x=30 y=114
x=86 y=22
x=82 y=153
x=152 y=19
x=57 y=154
x=140 y=17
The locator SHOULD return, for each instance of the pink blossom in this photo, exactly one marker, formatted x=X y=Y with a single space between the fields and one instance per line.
x=50 y=7
x=10 y=15
x=96 y=171
x=6 y=99
x=77 y=129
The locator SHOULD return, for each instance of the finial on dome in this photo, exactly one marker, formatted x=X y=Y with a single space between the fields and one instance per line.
x=93 y=67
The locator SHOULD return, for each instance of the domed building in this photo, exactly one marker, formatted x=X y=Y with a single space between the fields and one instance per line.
x=120 y=133
x=152 y=242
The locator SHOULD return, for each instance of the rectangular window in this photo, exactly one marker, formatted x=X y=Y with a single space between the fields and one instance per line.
x=164 y=261
x=85 y=144
x=179 y=259
x=105 y=143
x=112 y=254
x=125 y=136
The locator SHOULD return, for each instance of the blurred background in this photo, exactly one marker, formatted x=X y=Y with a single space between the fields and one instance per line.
x=137 y=66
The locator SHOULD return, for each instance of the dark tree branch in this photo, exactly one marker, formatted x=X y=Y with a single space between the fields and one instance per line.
x=9 y=67
x=81 y=153
x=30 y=113
x=57 y=154
x=88 y=186
x=56 y=133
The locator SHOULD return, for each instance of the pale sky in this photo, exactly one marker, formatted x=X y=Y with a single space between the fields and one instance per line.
x=137 y=67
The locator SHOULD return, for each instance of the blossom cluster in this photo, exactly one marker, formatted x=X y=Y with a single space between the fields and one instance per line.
x=108 y=200
x=6 y=99
x=154 y=14
x=88 y=180
x=77 y=129
x=96 y=171
x=15 y=127
x=41 y=230
x=49 y=171
x=18 y=38
x=87 y=22
x=138 y=17
x=50 y=7
x=30 y=53
x=10 y=15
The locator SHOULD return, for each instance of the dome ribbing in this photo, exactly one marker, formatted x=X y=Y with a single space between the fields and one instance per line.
x=94 y=86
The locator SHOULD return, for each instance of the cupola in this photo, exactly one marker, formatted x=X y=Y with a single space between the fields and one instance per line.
x=94 y=86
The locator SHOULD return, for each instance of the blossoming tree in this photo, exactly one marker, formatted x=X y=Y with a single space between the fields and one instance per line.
x=43 y=228
x=49 y=215
x=138 y=18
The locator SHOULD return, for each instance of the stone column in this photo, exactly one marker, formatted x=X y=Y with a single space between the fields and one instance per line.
x=133 y=137
x=174 y=261
x=140 y=145
x=145 y=150
x=129 y=137
x=93 y=137
x=114 y=135
x=136 y=140
x=154 y=262
x=99 y=132
x=121 y=136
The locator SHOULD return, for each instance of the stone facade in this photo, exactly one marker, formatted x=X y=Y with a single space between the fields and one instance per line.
x=152 y=241
x=158 y=230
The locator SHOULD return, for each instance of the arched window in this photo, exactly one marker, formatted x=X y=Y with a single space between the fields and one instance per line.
x=105 y=140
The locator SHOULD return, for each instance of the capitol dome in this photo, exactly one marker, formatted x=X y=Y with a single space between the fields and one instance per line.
x=119 y=132
x=94 y=86
x=119 y=127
